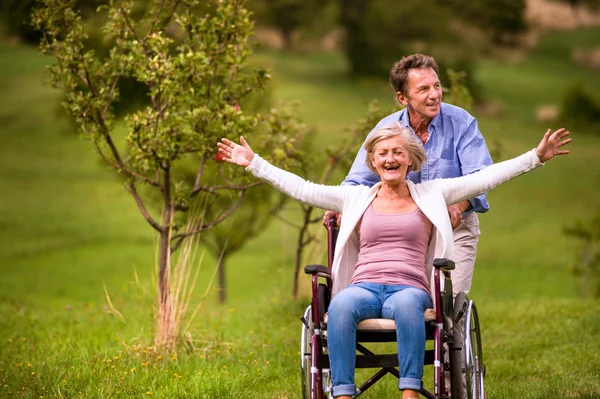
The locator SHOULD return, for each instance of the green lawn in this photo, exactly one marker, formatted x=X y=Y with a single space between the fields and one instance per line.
x=68 y=229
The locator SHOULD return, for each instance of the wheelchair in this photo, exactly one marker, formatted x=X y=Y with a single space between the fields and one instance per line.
x=453 y=326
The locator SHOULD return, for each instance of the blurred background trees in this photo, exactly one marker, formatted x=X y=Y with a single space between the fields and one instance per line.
x=376 y=33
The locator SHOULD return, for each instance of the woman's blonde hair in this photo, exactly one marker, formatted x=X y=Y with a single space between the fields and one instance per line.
x=415 y=150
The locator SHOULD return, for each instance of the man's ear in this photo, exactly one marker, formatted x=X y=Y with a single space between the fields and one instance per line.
x=402 y=98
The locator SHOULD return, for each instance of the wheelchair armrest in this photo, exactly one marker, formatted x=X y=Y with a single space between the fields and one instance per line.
x=443 y=263
x=317 y=269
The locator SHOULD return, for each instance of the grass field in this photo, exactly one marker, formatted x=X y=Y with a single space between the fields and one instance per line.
x=68 y=229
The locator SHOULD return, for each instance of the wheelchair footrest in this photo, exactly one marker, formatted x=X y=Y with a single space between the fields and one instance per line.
x=364 y=362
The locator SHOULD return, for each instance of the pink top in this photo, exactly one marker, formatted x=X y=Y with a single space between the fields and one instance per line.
x=393 y=249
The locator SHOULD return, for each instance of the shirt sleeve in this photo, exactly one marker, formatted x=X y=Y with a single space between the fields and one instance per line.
x=318 y=195
x=474 y=156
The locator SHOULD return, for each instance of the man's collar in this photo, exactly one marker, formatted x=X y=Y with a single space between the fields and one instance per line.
x=404 y=120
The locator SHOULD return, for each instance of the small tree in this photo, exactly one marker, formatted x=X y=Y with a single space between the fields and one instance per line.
x=191 y=55
x=588 y=267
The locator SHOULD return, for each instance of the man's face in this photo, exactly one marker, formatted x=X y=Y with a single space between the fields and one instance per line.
x=424 y=93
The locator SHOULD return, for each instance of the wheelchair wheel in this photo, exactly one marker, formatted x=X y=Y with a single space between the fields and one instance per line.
x=305 y=353
x=306 y=360
x=467 y=377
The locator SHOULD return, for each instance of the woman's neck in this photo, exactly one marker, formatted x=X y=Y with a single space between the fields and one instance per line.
x=394 y=191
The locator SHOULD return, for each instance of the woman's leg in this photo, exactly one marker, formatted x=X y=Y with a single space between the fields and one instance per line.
x=406 y=306
x=347 y=308
x=410 y=394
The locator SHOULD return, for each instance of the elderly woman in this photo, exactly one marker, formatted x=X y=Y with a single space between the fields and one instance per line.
x=388 y=238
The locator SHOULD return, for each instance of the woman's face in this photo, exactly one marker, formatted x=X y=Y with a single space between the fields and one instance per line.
x=391 y=160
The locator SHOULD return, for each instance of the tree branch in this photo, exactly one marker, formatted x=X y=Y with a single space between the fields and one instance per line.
x=285 y=221
x=133 y=32
x=214 y=189
x=199 y=175
x=206 y=226
x=112 y=90
x=122 y=168
x=156 y=18
x=142 y=207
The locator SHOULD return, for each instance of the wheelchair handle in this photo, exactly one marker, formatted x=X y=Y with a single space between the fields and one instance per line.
x=331 y=225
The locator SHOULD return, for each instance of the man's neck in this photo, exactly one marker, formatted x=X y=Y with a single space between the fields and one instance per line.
x=419 y=124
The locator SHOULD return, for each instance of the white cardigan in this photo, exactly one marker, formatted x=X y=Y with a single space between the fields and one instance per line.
x=433 y=197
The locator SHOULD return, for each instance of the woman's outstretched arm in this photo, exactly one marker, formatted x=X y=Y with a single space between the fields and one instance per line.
x=465 y=187
x=318 y=195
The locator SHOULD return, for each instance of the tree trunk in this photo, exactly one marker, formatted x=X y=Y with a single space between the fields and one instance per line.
x=222 y=282
x=164 y=272
x=166 y=316
x=166 y=328
x=286 y=35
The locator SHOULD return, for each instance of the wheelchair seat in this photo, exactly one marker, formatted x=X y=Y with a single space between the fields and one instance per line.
x=384 y=325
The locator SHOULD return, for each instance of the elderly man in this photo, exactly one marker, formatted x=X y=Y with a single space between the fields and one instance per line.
x=454 y=147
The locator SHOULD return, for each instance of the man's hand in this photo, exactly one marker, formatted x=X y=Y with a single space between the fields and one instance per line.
x=332 y=214
x=455 y=212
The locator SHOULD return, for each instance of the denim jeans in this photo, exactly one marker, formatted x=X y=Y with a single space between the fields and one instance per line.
x=403 y=304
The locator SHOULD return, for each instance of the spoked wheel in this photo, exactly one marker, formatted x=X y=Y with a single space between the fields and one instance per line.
x=467 y=380
x=306 y=355
x=474 y=356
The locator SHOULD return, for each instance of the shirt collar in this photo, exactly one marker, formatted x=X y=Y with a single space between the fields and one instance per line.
x=433 y=126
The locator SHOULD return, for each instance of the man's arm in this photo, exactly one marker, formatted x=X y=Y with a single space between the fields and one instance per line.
x=455 y=211
x=473 y=156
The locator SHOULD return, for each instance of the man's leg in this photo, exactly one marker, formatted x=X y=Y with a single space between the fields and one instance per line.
x=466 y=237
x=351 y=305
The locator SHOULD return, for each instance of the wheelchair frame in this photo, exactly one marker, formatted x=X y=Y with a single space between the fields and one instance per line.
x=454 y=331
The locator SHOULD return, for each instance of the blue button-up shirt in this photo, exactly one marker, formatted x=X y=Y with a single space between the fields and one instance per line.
x=455 y=148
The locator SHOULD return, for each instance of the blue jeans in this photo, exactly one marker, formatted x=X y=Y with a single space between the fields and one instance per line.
x=403 y=304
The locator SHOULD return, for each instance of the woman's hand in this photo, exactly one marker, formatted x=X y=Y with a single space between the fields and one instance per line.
x=550 y=145
x=236 y=154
